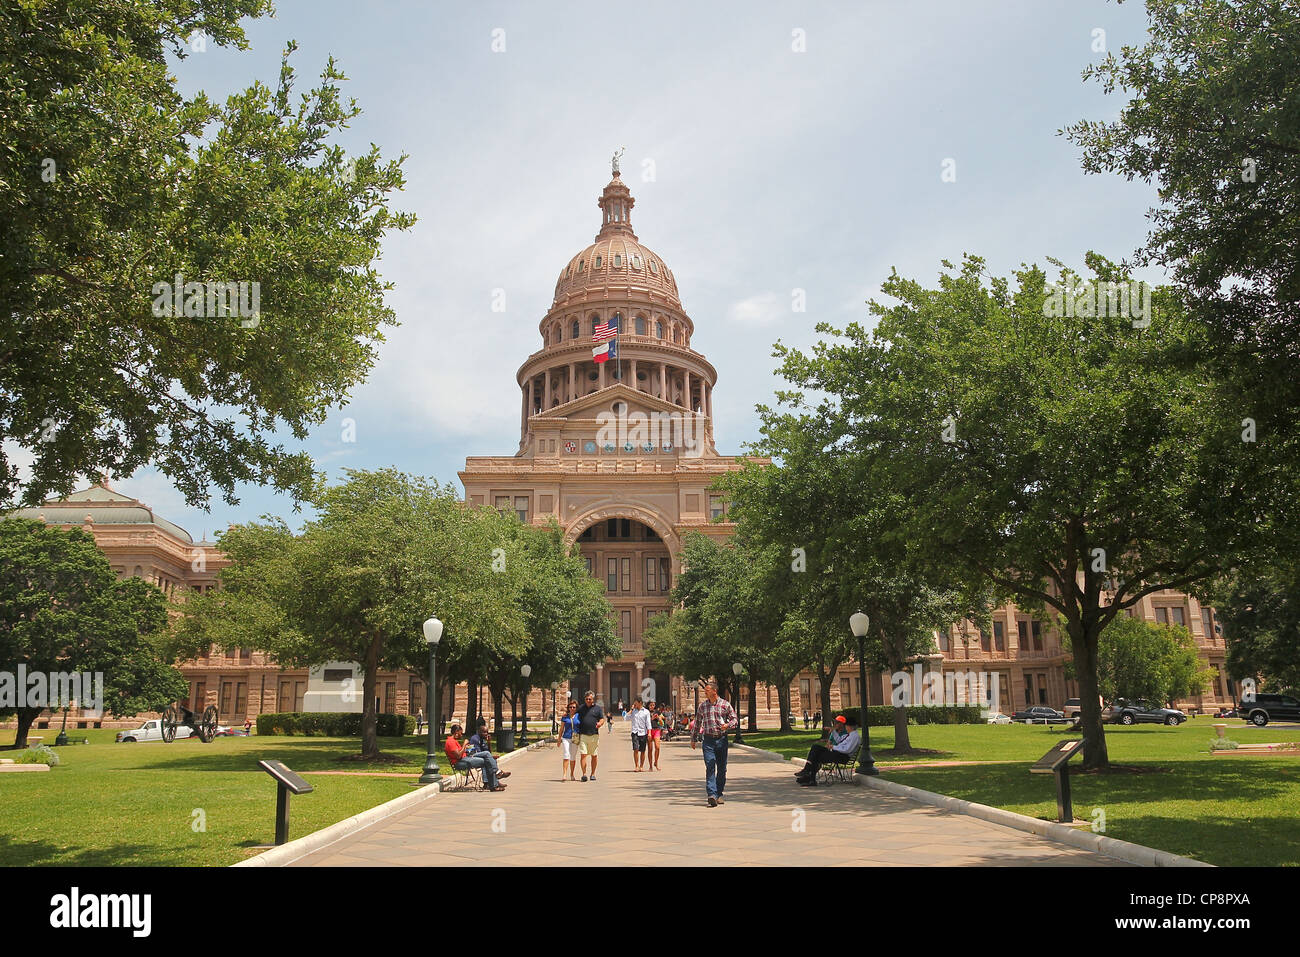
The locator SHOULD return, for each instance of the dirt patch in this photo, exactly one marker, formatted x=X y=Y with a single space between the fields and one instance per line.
x=380 y=758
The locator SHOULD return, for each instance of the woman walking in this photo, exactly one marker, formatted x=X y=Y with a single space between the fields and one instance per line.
x=657 y=725
x=568 y=740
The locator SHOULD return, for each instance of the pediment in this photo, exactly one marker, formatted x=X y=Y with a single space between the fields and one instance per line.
x=591 y=405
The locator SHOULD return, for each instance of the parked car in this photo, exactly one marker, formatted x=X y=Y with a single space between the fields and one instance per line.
x=1140 y=711
x=223 y=731
x=151 y=731
x=998 y=718
x=1073 y=708
x=1269 y=707
x=1040 y=715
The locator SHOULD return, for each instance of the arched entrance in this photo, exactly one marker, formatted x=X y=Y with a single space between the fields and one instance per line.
x=634 y=562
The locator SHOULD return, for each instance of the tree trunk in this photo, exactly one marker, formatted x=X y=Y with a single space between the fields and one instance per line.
x=498 y=693
x=369 y=720
x=26 y=718
x=446 y=706
x=824 y=679
x=471 y=706
x=1084 y=640
x=783 y=701
x=514 y=709
x=753 y=704
x=902 y=743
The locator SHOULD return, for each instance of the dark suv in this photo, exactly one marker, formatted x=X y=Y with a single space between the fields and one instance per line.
x=1269 y=707
x=1140 y=711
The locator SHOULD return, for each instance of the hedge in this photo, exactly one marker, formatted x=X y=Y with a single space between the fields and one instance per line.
x=882 y=716
x=327 y=724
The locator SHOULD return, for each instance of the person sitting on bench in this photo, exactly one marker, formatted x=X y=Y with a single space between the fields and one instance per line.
x=839 y=748
x=461 y=760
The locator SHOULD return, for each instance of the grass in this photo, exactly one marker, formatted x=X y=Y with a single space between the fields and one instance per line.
x=1235 y=810
x=135 y=803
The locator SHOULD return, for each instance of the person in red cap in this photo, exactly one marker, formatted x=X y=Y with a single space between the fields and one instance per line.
x=840 y=746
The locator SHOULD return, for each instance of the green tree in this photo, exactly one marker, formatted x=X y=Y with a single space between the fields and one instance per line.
x=1140 y=659
x=63 y=610
x=1071 y=462
x=1259 y=610
x=1212 y=120
x=386 y=552
x=112 y=182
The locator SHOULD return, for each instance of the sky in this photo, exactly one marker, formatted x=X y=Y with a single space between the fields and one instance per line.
x=770 y=147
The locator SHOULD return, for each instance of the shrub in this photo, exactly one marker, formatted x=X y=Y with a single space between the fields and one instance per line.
x=39 y=754
x=325 y=724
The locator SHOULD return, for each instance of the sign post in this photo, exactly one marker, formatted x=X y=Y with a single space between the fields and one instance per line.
x=1056 y=762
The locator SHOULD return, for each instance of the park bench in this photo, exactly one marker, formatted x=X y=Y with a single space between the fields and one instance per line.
x=840 y=768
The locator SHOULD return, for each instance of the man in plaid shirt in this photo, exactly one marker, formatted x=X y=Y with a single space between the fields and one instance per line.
x=713 y=719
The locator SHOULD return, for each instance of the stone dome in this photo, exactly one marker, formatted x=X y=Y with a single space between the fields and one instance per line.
x=616 y=264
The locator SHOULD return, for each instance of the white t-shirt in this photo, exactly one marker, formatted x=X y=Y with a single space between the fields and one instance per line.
x=640 y=720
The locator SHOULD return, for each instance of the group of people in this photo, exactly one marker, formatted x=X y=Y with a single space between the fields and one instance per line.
x=579 y=739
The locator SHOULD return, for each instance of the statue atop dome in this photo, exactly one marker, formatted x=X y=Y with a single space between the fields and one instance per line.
x=613 y=162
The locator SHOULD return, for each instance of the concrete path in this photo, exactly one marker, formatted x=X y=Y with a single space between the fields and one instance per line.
x=661 y=817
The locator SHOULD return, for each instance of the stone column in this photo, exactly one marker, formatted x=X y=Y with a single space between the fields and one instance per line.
x=663 y=381
x=530 y=396
x=634 y=385
x=602 y=365
x=546 y=391
x=573 y=384
x=686 y=389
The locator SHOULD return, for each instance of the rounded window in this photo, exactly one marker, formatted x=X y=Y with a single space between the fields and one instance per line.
x=581 y=263
x=618 y=260
x=640 y=325
x=659 y=330
x=652 y=267
x=636 y=262
x=597 y=266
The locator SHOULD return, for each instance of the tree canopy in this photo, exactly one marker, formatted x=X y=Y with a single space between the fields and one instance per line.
x=114 y=186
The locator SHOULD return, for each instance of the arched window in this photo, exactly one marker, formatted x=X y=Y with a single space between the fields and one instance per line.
x=659 y=330
x=640 y=325
x=580 y=265
x=575 y=329
x=636 y=262
x=618 y=260
x=652 y=267
x=597 y=266
x=618 y=322
x=594 y=319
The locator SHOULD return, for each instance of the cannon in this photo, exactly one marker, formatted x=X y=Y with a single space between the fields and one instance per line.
x=205 y=727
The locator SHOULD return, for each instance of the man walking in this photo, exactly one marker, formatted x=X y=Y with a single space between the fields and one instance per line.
x=590 y=717
x=640 y=719
x=713 y=719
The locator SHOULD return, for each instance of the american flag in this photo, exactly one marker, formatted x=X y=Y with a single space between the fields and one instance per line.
x=604 y=330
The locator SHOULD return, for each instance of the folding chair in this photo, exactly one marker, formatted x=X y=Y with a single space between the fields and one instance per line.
x=841 y=769
x=463 y=778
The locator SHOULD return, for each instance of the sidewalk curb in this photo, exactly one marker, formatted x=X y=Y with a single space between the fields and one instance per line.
x=299 y=848
x=1130 y=853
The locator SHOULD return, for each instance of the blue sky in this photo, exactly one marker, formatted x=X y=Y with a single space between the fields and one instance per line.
x=757 y=169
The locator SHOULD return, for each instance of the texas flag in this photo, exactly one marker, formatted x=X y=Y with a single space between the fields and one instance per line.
x=605 y=351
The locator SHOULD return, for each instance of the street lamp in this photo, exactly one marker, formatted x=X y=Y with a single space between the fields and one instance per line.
x=736 y=669
x=859 y=623
x=526 y=670
x=555 y=686
x=432 y=635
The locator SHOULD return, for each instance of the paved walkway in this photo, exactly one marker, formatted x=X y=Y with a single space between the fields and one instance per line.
x=661 y=817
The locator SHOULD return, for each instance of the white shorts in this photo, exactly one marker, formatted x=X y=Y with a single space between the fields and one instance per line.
x=569 y=747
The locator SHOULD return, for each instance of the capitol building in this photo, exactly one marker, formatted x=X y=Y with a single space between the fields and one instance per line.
x=616 y=444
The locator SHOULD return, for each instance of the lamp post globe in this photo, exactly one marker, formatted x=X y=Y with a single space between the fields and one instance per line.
x=432 y=635
x=737 y=669
x=526 y=670
x=859 y=623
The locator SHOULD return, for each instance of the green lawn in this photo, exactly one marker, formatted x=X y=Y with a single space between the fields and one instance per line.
x=134 y=803
x=1236 y=810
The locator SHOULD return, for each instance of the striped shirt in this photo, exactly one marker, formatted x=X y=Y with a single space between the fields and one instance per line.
x=714 y=718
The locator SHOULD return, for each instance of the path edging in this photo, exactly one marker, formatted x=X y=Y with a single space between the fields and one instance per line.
x=299 y=848
x=1126 y=851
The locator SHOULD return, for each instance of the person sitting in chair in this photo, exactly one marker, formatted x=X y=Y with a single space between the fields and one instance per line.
x=460 y=758
x=838 y=748
x=478 y=742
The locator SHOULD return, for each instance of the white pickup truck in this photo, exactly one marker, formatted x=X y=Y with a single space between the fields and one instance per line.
x=151 y=731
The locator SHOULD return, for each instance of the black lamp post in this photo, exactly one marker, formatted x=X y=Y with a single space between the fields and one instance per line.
x=736 y=669
x=526 y=670
x=62 y=739
x=555 y=686
x=432 y=635
x=860 y=623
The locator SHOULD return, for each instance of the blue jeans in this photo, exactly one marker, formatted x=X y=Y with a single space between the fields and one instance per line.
x=484 y=761
x=715 y=764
